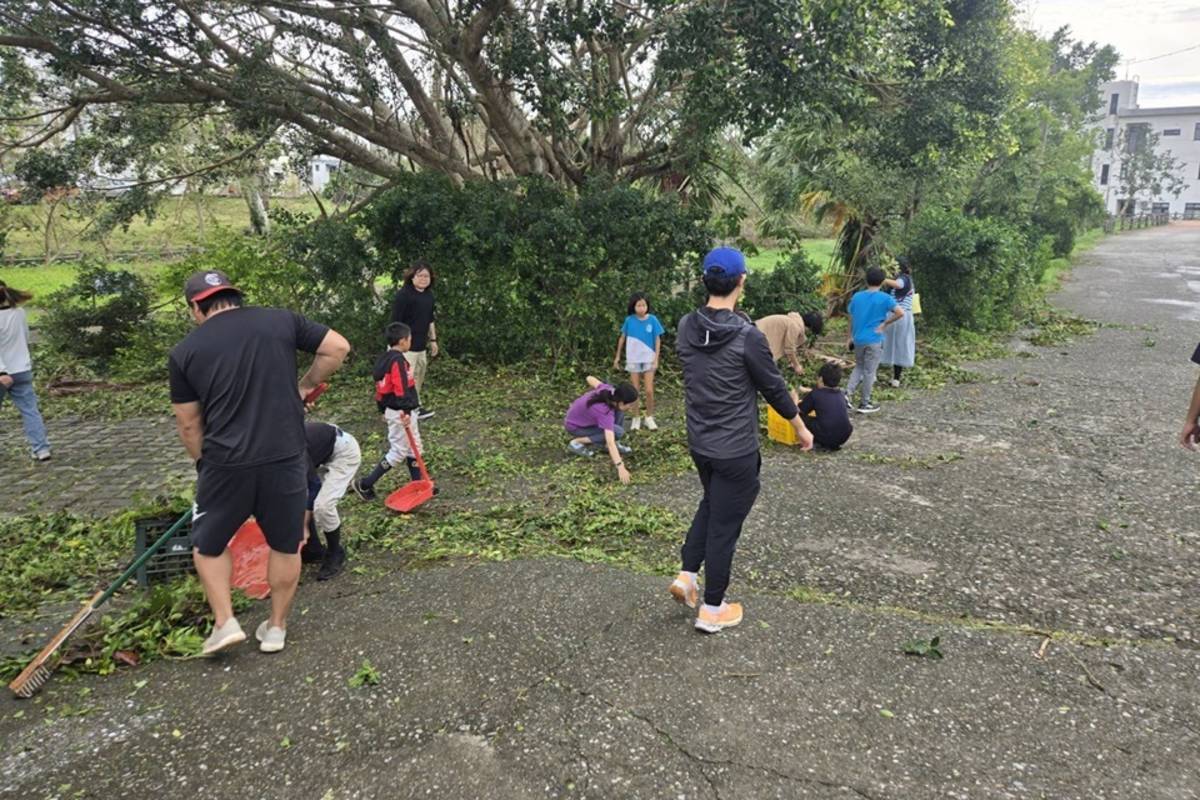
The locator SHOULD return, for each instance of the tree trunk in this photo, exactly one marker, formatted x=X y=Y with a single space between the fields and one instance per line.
x=252 y=192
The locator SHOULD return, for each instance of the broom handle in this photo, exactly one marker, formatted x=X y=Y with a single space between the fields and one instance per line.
x=412 y=444
x=142 y=559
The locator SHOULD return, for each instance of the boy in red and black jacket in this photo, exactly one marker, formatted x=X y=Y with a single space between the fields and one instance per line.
x=396 y=397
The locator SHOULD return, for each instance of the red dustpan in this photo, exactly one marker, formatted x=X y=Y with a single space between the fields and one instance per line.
x=408 y=497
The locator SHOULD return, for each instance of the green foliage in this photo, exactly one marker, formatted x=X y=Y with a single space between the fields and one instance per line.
x=926 y=648
x=94 y=317
x=791 y=286
x=322 y=268
x=561 y=88
x=973 y=273
x=366 y=675
x=527 y=269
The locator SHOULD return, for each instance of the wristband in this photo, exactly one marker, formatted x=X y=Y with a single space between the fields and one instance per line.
x=618 y=463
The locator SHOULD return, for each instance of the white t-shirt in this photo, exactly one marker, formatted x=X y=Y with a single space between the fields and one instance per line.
x=14 y=341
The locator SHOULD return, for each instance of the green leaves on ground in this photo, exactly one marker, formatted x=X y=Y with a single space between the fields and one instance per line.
x=366 y=675
x=927 y=648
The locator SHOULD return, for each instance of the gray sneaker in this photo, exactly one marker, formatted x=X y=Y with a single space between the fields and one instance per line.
x=575 y=448
x=868 y=408
x=270 y=638
x=624 y=449
x=224 y=637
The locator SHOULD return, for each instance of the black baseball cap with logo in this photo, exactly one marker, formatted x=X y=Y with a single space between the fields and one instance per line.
x=205 y=284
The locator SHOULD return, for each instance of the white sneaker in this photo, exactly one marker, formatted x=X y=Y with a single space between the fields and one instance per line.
x=636 y=425
x=224 y=637
x=651 y=425
x=895 y=383
x=270 y=638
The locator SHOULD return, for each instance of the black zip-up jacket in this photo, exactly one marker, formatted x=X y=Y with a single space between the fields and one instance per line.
x=725 y=361
x=394 y=387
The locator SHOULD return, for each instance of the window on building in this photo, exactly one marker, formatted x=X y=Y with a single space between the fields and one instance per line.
x=1196 y=133
x=1191 y=211
x=1108 y=138
x=1171 y=132
x=1135 y=135
x=1160 y=208
x=1125 y=206
x=1112 y=103
x=1104 y=175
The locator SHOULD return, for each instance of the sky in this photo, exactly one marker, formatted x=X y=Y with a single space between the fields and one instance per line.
x=1138 y=31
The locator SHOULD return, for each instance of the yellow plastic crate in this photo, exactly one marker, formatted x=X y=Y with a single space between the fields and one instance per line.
x=779 y=429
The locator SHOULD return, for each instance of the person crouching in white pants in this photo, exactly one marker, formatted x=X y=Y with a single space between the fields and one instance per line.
x=333 y=461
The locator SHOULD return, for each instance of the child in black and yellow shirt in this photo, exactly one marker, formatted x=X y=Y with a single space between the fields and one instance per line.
x=396 y=398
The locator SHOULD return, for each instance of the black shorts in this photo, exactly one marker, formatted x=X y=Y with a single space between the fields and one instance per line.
x=275 y=494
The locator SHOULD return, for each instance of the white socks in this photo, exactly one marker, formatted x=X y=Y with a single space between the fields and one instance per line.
x=714 y=609
x=691 y=576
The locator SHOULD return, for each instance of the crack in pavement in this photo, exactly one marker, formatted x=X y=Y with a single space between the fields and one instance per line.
x=703 y=761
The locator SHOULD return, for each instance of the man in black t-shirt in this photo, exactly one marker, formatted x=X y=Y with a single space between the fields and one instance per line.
x=1191 y=425
x=240 y=414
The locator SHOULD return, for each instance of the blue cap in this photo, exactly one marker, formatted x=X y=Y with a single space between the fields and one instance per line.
x=726 y=262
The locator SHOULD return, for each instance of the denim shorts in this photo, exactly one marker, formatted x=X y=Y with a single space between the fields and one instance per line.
x=638 y=367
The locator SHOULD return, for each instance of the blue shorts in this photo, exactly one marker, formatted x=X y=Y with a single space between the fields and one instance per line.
x=639 y=367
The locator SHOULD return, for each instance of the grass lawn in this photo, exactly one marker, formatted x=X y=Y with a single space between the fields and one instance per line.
x=819 y=250
x=43 y=279
x=181 y=221
x=1057 y=269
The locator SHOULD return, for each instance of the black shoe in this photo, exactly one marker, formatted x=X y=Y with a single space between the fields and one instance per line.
x=334 y=561
x=424 y=413
x=312 y=552
x=867 y=408
x=364 y=492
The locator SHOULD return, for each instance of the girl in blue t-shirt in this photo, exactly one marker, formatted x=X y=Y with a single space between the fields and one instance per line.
x=641 y=336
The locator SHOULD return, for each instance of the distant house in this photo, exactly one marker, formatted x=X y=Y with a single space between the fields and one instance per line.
x=321 y=170
x=1123 y=121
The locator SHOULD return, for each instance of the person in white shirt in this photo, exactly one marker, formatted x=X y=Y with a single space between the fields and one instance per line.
x=16 y=368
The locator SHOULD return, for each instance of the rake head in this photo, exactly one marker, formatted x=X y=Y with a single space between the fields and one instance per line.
x=39 y=670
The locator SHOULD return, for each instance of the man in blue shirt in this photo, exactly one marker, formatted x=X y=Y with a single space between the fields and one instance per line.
x=871 y=311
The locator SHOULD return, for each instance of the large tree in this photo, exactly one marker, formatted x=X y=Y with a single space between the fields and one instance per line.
x=470 y=88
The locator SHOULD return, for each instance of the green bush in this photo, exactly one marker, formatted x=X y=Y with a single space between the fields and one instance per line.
x=321 y=268
x=972 y=273
x=792 y=286
x=526 y=269
x=92 y=318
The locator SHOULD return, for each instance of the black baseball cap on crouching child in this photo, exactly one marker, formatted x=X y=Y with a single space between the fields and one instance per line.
x=205 y=284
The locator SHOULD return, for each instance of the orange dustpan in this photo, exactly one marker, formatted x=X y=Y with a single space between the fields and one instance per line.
x=408 y=497
x=250 y=554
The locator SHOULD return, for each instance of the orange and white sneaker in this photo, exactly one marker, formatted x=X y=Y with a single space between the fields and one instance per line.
x=728 y=615
x=685 y=591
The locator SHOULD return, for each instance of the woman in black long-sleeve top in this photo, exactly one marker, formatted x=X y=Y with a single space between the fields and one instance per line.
x=414 y=306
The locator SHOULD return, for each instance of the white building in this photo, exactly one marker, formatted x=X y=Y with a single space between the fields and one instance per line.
x=320 y=169
x=1178 y=131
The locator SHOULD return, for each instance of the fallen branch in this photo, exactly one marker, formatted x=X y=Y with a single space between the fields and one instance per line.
x=64 y=388
x=1090 y=677
x=1041 y=653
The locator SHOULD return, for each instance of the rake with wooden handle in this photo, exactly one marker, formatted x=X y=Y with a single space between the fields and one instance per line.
x=38 y=671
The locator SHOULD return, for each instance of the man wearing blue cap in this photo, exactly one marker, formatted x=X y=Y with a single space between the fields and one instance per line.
x=726 y=361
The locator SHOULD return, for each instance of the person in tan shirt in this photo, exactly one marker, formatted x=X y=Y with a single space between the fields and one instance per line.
x=787 y=334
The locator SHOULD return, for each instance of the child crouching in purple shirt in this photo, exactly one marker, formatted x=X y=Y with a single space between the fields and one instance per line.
x=597 y=417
